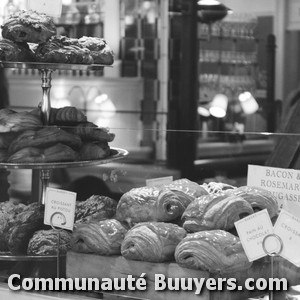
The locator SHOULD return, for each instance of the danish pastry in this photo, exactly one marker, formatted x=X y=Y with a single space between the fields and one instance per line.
x=10 y=51
x=28 y=26
x=61 y=49
x=100 y=51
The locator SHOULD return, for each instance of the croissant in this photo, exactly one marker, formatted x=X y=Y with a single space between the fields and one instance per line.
x=67 y=115
x=215 y=251
x=149 y=204
x=45 y=242
x=103 y=237
x=23 y=227
x=258 y=198
x=152 y=241
x=44 y=138
x=56 y=153
x=91 y=132
x=215 y=212
x=13 y=121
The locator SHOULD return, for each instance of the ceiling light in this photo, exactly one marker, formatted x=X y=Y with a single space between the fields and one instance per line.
x=218 y=106
x=248 y=103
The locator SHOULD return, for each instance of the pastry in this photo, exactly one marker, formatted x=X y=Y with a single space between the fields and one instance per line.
x=186 y=189
x=149 y=204
x=28 y=26
x=56 y=153
x=44 y=138
x=10 y=51
x=61 y=49
x=23 y=227
x=8 y=212
x=103 y=237
x=258 y=198
x=152 y=241
x=6 y=139
x=45 y=242
x=91 y=132
x=11 y=121
x=3 y=155
x=215 y=212
x=95 y=208
x=68 y=115
x=94 y=150
x=100 y=51
x=215 y=251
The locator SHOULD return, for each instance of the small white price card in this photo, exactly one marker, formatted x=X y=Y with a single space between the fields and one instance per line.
x=287 y=227
x=284 y=184
x=60 y=207
x=252 y=230
x=49 y=7
x=159 y=181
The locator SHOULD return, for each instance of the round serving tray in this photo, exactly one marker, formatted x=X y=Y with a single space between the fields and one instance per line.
x=51 y=66
x=116 y=153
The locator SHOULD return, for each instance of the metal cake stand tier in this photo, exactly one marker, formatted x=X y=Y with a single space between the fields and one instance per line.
x=51 y=66
x=116 y=153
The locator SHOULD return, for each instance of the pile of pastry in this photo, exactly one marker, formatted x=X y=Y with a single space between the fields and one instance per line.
x=183 y=222
x=68 y=138
x=23 y=232
x=29 y=36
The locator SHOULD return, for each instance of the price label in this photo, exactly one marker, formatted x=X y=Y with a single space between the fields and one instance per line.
x=284 y=184
x=252 y=230
x=60 y=208
x=160 y=181
x=49 y=7
x=287 y=227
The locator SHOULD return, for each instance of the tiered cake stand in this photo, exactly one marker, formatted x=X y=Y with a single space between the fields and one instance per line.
x=43 y=170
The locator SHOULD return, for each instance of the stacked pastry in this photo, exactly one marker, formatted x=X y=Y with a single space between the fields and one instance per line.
x=22 y=230
x=29 y=36
x=69 y=137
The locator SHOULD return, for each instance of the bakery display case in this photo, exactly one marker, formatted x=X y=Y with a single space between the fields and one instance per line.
x=167 y=209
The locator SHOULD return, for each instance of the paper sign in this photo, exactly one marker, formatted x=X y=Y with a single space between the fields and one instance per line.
x=252 y=230
x=284 y=184
x=49 y=7
x=159 y=181
x=60 y=206
x=287 y=227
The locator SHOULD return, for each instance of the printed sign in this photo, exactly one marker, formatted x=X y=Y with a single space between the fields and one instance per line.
x=252 y=230
x=50 y=7
x=287 y=227
x=284 y=184
x=159 y=181
x=60 y=208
